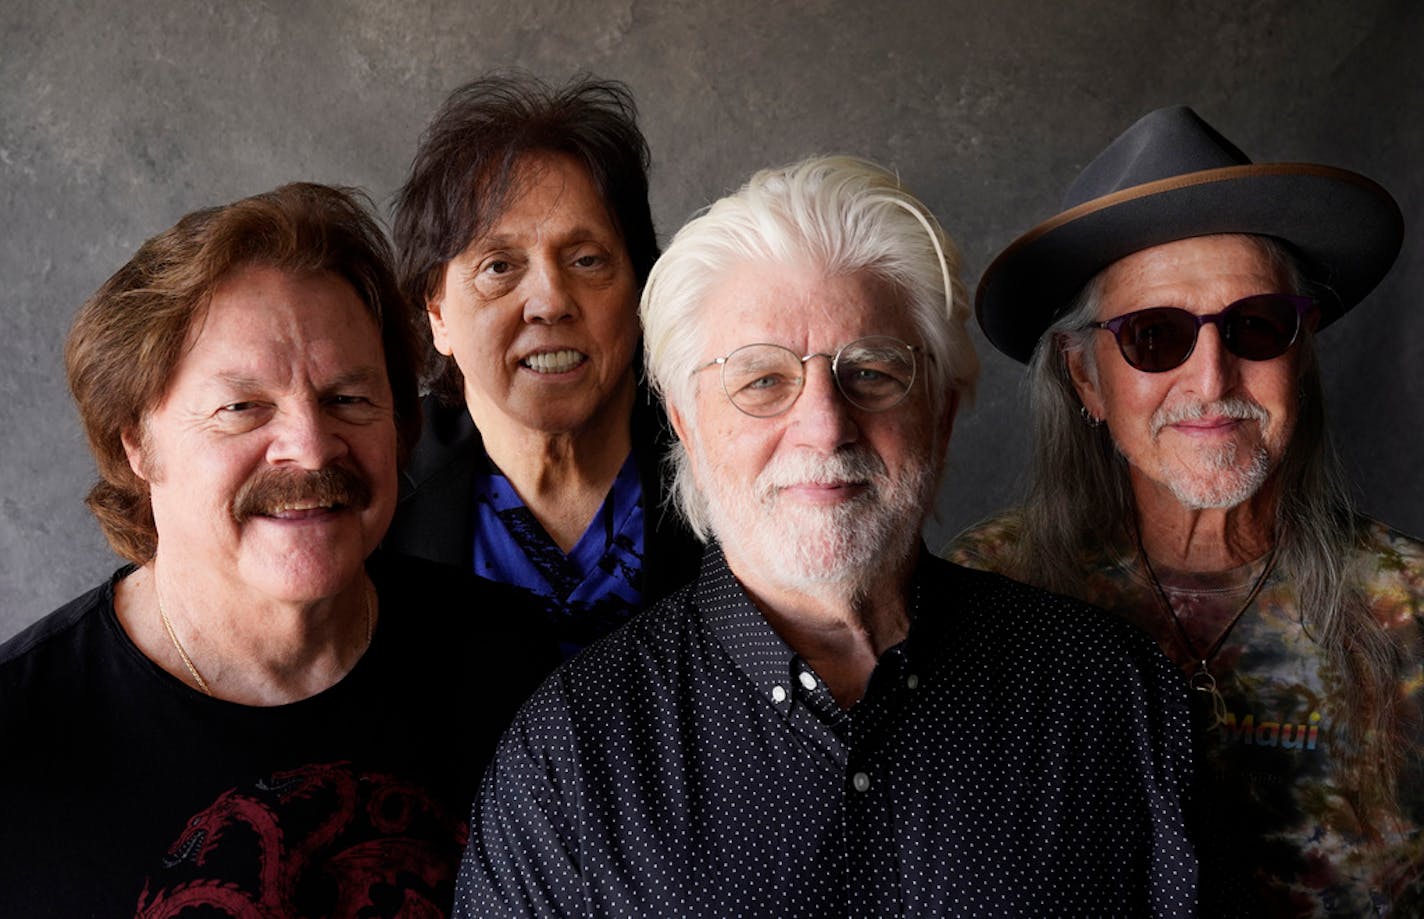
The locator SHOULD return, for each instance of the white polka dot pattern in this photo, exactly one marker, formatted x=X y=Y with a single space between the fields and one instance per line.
x=1018 y=755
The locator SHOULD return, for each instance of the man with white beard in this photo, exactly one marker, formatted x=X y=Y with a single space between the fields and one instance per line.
x=828 y=720
x=1183 y=479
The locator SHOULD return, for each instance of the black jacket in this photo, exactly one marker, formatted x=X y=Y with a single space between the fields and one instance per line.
x=435 y=516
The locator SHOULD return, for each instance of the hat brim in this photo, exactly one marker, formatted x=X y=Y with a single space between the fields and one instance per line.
x=1346 y=226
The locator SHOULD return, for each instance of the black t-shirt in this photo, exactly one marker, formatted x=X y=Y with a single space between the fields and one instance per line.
x=123 y=791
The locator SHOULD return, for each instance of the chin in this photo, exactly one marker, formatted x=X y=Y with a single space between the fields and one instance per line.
x=308 y=573
x=1225 y=482
x=845 y=547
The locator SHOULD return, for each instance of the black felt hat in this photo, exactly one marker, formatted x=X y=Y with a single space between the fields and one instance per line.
x=1172 y=176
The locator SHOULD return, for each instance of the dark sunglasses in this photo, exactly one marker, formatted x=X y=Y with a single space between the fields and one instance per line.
x=1163 y=337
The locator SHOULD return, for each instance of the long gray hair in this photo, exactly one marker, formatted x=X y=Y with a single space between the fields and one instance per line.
x=1080 y=499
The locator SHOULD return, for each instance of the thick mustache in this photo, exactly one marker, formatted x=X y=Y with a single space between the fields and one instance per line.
x=1236 y=408
x=272 y=490
x=855 y=465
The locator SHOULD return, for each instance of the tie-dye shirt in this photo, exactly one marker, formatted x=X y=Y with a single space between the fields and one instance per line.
x=1270 y=800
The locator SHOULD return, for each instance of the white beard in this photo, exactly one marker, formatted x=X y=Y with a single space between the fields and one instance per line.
x=1222 y=477
x=807 y=547
x=1224 y=482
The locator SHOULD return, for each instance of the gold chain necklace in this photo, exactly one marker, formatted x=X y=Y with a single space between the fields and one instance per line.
x=173 y=636
x=1202 y=679
x=188 y=661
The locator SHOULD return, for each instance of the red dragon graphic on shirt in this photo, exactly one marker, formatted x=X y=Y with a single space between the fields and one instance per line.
x=322 y=840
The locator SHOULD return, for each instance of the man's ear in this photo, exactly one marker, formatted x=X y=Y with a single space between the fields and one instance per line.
x=435 y=312
x=438 y=333
x=679 y=425
x=1085 y=380
x=133 y=450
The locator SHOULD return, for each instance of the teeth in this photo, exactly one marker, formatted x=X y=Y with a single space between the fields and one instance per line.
x=554 y=361
x=299 y=506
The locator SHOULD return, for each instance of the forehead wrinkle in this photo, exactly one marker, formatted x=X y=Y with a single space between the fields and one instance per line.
x=567 y=236
x=1173 y=274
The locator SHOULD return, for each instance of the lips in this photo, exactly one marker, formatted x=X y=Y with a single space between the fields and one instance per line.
x=1206 y=425
x=560 y=361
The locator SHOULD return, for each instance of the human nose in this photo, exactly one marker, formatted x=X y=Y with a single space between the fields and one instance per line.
x=548 y=299
x=306 y=436
x=1211 y=369
x=821 y=416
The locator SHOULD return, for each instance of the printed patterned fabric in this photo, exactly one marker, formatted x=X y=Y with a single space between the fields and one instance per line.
x=586 y=593
x=1271 y=798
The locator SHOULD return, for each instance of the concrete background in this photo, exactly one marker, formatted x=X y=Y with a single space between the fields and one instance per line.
x=117 y=117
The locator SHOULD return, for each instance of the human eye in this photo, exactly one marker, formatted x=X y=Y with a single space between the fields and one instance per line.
x=241 y=415
x=874 y=380
x=1159 y=327
x=879 y=364
x=496 y=274
x=592 y=259
x=765 y=382
x=763 y=393
x=355 y=406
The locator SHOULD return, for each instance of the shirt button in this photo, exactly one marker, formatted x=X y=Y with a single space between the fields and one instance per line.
x=778 y=694
x=860 y=781
x=912 y=681
x=807 y=680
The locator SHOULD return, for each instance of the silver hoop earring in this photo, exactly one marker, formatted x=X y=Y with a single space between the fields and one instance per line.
x=1092 y=420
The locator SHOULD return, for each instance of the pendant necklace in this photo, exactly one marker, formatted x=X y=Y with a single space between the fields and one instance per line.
x=1202 y=679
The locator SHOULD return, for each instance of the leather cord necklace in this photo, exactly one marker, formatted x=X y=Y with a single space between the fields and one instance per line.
x=188 y=661
x=1202 y=679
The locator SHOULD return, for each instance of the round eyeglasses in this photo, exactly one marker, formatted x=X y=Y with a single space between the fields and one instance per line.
x=1161 y=338
x=763 y=380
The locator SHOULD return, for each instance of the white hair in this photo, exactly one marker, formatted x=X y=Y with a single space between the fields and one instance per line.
x=839 y=214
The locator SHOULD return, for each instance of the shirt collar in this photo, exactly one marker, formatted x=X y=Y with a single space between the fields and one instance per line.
x=738 y=626
x=735 y=623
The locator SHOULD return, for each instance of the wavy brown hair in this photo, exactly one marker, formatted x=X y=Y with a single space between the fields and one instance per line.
x=129 y=337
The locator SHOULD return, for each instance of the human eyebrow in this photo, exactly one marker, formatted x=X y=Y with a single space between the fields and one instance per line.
x=361 y=376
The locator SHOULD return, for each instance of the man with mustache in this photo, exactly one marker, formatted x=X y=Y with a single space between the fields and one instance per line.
x=1182 y=478
x=256 y=715
x=829 y=721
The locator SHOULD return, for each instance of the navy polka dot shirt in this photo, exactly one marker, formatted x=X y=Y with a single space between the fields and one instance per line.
x=1019 y=754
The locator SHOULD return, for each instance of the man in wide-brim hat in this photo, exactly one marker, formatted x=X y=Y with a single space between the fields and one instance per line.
x=1182 y=478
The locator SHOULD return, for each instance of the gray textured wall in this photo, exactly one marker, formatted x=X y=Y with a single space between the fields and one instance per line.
x=116 y=117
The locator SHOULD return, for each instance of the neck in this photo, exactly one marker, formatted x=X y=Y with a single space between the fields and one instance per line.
x=562 y=476
x=839 y=628
x=1213 y=539
x=244 y=648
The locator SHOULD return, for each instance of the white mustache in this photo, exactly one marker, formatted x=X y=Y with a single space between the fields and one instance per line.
x=843 y=467
x=1233 y=408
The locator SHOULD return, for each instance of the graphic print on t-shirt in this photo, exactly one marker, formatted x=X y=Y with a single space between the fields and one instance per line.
x=320 y=840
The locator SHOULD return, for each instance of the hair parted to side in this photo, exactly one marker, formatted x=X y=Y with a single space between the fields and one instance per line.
x=1080 y=499
x=839 y=214
x=129 y=337
x=466 y=172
